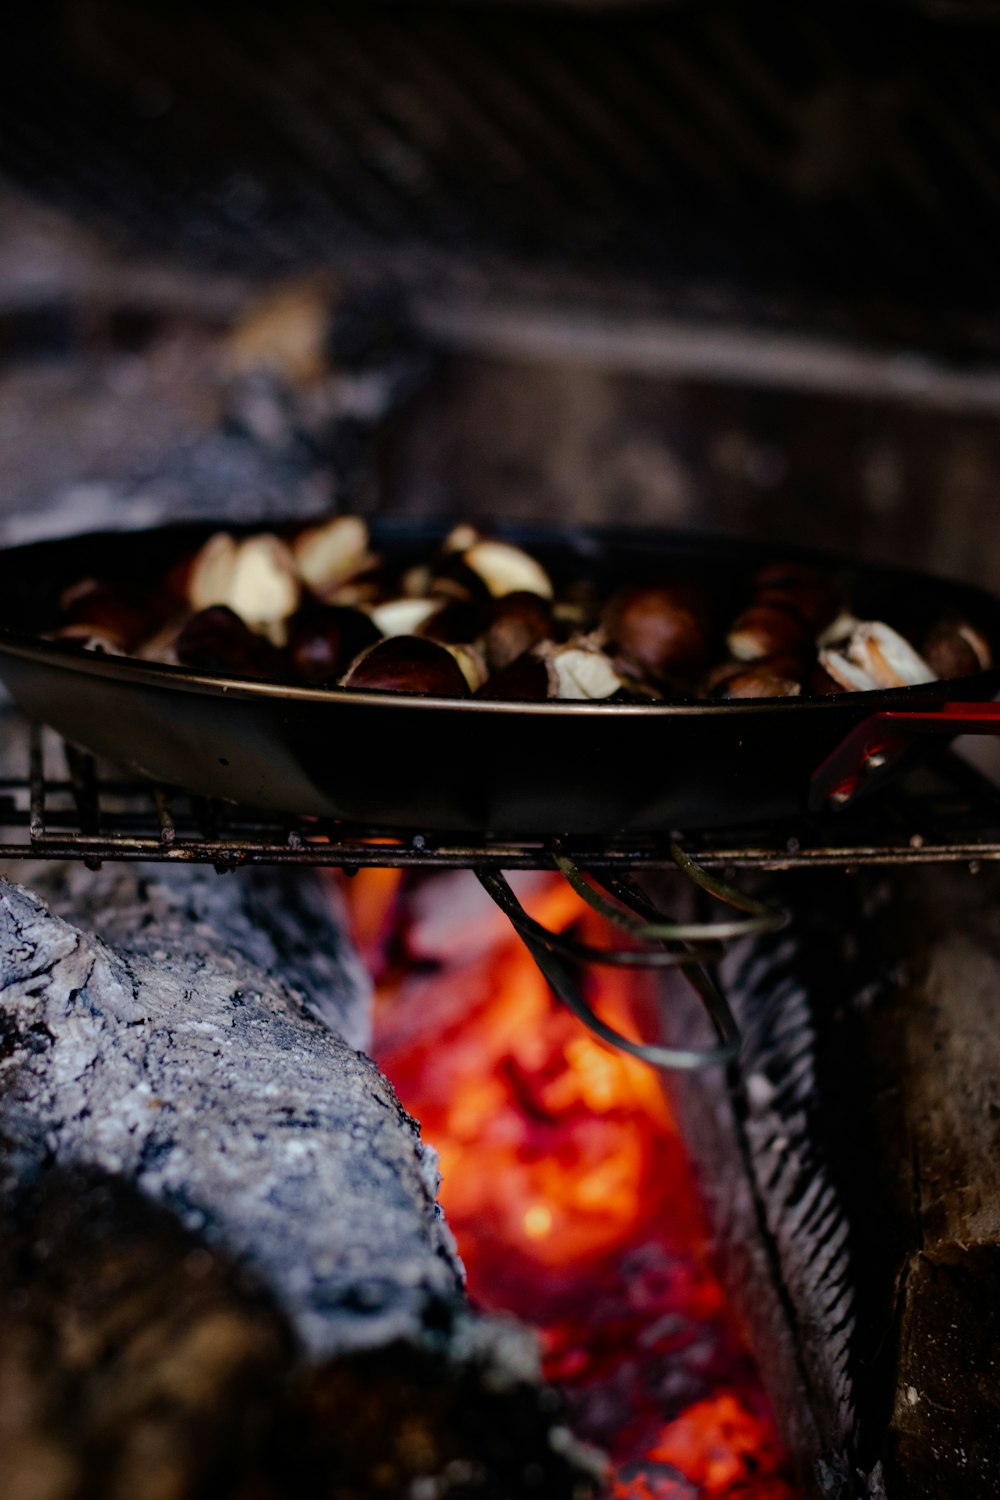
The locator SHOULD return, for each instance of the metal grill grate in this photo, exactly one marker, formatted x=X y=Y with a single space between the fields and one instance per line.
x=943 y=812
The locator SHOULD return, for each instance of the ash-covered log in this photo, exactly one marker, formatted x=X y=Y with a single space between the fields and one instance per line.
x=849 y=1166
x=223 y=1267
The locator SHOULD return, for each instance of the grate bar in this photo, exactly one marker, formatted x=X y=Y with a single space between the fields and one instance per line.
x=351 y=856
x=945 y=812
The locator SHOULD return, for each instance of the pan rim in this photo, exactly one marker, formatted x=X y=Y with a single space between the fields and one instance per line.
x=183 y=679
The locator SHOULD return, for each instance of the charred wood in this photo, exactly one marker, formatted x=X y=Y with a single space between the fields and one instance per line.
x=224 y=1270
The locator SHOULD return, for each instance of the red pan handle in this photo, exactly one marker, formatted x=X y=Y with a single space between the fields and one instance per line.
x=878 y=742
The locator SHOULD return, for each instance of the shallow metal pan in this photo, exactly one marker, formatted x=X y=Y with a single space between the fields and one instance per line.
x=412 y=762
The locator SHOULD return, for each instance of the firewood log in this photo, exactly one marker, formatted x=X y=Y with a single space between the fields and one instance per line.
x=223 y=1268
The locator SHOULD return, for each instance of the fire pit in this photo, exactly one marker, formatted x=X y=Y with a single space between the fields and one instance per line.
x=697 y=267
x=567 y=1187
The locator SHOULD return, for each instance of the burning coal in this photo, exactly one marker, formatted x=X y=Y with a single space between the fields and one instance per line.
x=566 y=1185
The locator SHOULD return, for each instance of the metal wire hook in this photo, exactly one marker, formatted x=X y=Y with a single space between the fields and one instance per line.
x=549 y=950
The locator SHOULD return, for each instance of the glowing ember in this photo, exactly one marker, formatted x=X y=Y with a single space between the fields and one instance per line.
x=566 y=1185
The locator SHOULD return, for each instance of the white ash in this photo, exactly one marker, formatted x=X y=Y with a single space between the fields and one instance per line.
x=284 y=922
x=199 y=1077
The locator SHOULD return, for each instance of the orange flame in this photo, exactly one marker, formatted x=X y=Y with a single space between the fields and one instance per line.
x=566 y=1186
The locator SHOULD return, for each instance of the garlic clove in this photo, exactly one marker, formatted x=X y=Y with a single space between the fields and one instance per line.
x=846 y=674
x=581 y=672
x=263 y=589
x=403 y=616
x=887 y=657
x=505 y=569
x=330 y=554
x=211 y=572
x=254 y=577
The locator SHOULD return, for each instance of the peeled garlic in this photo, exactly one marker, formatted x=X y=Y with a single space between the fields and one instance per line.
x=329 y=554
x=403 y=616
x=505 y=569
x=886 y=657
x=847 y=674
x=581 y=672
x=255 y=578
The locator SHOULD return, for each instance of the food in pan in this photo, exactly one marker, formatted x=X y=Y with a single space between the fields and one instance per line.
x=481 y=616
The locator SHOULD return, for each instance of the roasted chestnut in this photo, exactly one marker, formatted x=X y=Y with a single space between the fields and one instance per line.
x=753 y=683
x=525 y=680
x=517 y=622
x=780 y=664
x=471 y=663
x=955 y=648
x=806 y=591
x=660 y=630
x=764 y=629
x=450 y=579
x=107 y=612
x=480 y=615
x=815 y=605
x=408 y=664
x=453 y=622
x=821 y=684
x=217 y=640
x=88 y=638
x=324 y=638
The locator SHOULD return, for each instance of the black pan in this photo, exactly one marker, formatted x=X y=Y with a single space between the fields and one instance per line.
x=412 y=762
